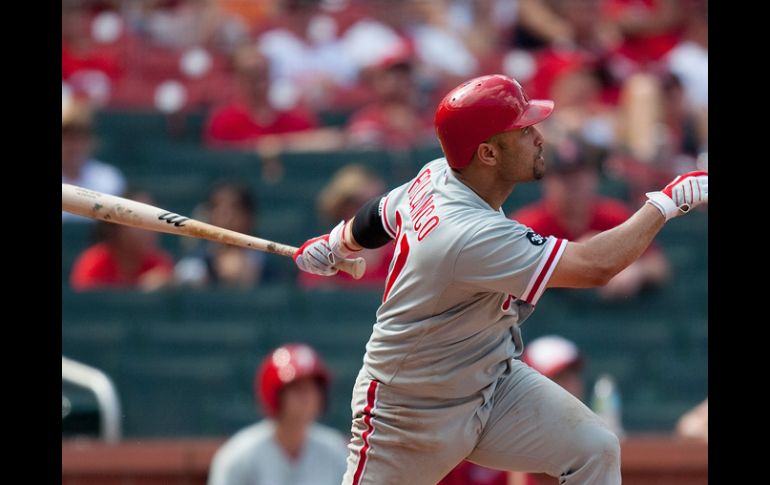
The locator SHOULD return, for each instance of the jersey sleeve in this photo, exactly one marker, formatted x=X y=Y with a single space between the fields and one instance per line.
x=387 y=210
x=508 y=257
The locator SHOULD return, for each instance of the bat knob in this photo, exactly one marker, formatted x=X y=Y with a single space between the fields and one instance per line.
x=355 y=267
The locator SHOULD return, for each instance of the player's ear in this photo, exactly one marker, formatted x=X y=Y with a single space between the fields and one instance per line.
x=487 y=153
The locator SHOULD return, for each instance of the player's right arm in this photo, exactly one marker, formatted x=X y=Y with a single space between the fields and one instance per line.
x=595 y=261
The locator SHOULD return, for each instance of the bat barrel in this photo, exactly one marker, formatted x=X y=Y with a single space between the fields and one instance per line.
x=117 y=210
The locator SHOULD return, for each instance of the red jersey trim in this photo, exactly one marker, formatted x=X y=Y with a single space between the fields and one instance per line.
x=551 y=258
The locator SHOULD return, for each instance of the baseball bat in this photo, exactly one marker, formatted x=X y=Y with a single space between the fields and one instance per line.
x=118 y=210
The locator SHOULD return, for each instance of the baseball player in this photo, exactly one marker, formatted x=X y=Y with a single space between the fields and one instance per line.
x=288 y=448
x=439 y=382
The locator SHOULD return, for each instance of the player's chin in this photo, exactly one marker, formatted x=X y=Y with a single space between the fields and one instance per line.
x=538 y=169
x=538 y=172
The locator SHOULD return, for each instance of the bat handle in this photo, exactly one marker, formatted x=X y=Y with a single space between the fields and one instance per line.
x=355 y=267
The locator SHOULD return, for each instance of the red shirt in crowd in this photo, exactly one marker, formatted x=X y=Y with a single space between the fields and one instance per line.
x=234 y=123
x=606 y=214
x=646 y=47
x=97 y=267
x=72 y=63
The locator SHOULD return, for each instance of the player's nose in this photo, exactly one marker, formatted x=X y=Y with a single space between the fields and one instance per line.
x=539 y=140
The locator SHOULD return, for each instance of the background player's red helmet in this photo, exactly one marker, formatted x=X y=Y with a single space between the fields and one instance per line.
x=477 y=109
x=285 y=365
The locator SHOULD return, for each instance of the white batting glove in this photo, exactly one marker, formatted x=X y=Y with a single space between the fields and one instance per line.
x=682 y=194
x=320 y=254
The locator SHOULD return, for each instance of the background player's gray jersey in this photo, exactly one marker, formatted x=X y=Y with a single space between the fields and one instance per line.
x=463 y=277
x=253 y=456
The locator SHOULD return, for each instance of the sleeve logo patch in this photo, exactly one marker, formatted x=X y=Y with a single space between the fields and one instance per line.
x=535 y=238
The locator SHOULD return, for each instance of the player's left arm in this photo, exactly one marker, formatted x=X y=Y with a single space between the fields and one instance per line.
x=651 y=269
x=594 y=262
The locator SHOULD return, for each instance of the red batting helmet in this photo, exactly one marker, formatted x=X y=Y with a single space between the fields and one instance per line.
x=285 y=365
x=477 y=109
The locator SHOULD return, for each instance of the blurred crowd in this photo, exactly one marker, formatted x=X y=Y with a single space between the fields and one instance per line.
x=629 y=79
x=630 y=75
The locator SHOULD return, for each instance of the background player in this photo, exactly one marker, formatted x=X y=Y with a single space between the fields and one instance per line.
x=288 y=447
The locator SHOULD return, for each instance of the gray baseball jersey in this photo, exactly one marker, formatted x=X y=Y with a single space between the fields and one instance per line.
x=462 y=280
x=253 y=457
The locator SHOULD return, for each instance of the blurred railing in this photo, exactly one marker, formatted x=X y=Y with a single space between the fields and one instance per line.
x=106 y=396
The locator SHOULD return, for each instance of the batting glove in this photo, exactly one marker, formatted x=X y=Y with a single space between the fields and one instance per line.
x=682 y=194
x=320 y=254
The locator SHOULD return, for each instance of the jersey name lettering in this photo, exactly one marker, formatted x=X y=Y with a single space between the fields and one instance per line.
x=421 y=206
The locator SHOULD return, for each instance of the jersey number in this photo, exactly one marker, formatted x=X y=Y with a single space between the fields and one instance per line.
x=402 y=248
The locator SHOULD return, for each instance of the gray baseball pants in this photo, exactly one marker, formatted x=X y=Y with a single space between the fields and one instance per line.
x=523 y=422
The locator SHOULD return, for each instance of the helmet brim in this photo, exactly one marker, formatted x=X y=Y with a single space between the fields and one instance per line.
x=537 y=110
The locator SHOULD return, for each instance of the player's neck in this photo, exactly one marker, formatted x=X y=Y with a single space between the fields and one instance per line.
x=291 y=437
x=485 y=185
